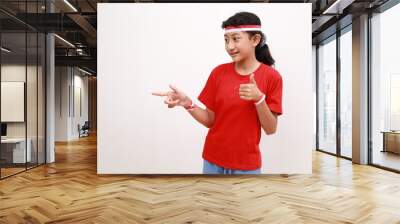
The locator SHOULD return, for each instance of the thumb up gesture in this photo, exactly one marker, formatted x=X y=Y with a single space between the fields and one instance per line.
x=250 y=90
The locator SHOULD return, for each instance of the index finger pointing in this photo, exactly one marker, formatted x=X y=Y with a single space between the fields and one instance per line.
x=159 y=93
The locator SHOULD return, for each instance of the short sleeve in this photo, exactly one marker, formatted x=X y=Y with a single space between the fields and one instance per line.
x=274 y=94
x=207 y=95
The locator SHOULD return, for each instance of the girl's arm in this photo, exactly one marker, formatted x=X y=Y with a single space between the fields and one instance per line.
x=203 y=116
x=267 y=118
x=177 y=98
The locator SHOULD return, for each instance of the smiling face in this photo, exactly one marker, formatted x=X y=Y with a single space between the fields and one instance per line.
x=240 y=45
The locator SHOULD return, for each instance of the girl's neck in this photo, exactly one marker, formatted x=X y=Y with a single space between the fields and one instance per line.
x=246 y=66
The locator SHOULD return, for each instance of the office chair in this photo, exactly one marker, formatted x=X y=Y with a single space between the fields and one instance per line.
x=84 y=130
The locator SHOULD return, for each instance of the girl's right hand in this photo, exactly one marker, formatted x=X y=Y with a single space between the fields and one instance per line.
x=174 y=98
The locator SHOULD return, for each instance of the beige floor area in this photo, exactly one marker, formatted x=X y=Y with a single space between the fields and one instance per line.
x=70 y=191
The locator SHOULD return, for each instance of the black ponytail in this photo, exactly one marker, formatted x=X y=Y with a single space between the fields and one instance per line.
x=246 y=18
x=262 y=52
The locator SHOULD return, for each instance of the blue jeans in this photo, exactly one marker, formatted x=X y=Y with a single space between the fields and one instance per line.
x=210 y=168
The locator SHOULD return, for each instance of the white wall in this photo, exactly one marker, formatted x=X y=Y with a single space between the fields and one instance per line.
x=80 y=84
x=68 y=81
x=12 y=73
x=61 y=103
x=18 y=73
x=145 y=47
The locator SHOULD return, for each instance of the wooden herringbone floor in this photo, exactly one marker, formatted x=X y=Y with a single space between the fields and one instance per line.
x=70 y=191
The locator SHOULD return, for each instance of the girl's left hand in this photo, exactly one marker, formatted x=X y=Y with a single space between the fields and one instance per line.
x=250 y=91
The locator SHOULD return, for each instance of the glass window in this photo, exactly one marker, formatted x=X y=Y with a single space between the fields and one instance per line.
x=327 y=96
x=385 y=87
x=346 y=94
x=41 y=98
x=32 y=86
x=14 y=153
x=22 y=91
x=32 y=94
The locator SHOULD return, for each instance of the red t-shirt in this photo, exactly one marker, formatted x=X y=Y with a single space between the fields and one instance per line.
x=233 y=140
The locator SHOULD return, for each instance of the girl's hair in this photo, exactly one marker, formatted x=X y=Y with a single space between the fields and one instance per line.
x=246 y=18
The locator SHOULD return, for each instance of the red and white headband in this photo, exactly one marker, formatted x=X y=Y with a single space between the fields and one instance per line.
x=230 y=29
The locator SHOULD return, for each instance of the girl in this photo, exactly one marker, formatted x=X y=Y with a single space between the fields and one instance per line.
x=241 y=97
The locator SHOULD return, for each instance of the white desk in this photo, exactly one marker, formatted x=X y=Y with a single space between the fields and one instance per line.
x=18 y=151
